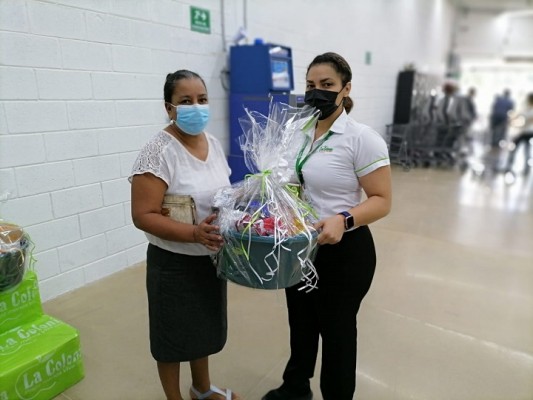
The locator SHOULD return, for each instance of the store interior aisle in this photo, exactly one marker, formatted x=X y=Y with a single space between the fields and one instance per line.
x=449 y=315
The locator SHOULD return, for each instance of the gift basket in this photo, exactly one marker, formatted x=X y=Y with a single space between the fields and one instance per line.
x=269 y=239
x=14 y=249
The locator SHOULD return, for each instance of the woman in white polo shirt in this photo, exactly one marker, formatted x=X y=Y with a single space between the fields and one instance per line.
x=337 y=164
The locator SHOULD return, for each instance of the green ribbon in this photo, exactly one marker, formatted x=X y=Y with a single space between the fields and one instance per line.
x=263 y=175
x=294 y=191
x=255 y=216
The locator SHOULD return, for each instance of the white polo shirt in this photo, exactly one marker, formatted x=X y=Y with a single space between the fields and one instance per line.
x=331 y=174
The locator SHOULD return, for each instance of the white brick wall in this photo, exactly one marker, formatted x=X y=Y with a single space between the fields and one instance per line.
x=97 y=169
x=29 y=210
x=18 y=150
x=64 y=85
x=96 y=5
x=35 y=116
x=102 y=220
x=136 y=254
x=62 y=283
x=17 y=84
x=136 y=112
x=77 y=200
x=123 y=238
x=178 y=12
x=3 y=121
x=81 y=86
x=88 y=56
x=82 y=252
x=38 y=50
x=126 y=163
x=132 y=59
x=47 y=264
x=13 y=16
x=106 y=28
x=54 y=233
x=71 y=145
x=118 y=140
x=105 y=267
x=108 y=86
x=134 y=9
x=127 y=213
x=8 y=185
x=91 y=114
x=116 y=191
x=44 y=178
x=56 y=20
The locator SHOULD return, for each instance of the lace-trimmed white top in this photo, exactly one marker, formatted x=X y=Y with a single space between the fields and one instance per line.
x=165 y=157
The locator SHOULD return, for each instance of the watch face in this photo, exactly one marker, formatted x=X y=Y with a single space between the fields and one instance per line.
x=349 y=222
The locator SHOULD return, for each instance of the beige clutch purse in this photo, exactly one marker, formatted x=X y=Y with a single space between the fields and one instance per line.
x=180 y=208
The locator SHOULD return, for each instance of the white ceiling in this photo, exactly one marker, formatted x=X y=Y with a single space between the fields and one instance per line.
x=494 y=5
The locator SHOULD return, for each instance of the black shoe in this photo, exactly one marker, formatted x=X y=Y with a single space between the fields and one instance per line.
x=283 y=394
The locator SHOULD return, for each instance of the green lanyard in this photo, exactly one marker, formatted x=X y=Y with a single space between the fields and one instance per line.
x=300 y=162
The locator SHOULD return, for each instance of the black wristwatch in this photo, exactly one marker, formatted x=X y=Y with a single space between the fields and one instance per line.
x=349 y=220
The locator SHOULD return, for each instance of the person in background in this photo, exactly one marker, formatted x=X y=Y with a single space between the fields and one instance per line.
x=470 y=114
x=467 y=115
x=499 y=118
x=186 y=300
x=448 y=118
x=341 y=159
x=525 y=136
x=448 y=106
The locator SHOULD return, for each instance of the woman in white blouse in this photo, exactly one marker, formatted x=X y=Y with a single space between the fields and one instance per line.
x=186 y=300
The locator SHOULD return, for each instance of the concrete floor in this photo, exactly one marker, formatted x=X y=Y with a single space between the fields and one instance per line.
x=449 y=315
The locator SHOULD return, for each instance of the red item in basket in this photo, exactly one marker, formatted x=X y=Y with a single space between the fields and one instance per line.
x=268 y=226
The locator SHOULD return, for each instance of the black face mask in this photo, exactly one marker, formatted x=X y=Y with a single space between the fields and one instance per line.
x=323 y=100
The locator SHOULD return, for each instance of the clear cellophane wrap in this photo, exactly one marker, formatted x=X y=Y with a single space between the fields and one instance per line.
x=14 y=252
x=269 y=239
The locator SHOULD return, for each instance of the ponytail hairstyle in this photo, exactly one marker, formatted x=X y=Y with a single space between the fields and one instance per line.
x=341 y=66
x=172 y=79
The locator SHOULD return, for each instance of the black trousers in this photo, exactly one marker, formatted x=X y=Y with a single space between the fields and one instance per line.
x=525 y=138
x=345 y=273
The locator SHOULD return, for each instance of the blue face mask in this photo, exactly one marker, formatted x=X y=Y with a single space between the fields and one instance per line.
x=192 y=119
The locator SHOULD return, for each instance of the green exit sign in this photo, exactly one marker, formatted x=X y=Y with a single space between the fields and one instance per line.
x=200 y=20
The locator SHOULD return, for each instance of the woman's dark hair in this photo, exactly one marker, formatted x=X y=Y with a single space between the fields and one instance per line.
x=341 y=66
x=172 y=79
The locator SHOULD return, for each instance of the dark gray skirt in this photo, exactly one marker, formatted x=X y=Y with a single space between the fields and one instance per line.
x=186 y=306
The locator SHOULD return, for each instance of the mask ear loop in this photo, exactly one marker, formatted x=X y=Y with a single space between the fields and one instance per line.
x=343 y=97
x=176 y=107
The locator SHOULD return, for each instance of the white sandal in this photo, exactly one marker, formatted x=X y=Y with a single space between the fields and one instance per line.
x=212 y=390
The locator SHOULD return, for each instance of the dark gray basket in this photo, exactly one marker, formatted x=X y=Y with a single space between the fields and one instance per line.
x=230 y=266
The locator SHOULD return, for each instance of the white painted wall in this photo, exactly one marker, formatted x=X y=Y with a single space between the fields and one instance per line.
x=489 y=35
x=81 y=86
